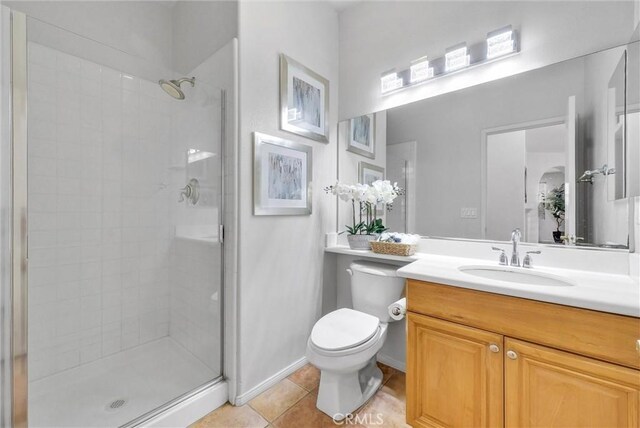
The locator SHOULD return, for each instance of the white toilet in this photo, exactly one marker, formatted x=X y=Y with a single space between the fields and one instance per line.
x=344 y=343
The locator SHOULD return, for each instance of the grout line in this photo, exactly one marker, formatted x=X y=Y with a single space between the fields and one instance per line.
x=290 y=407
x=258 y=413
x=300 y=385
x=285 y=410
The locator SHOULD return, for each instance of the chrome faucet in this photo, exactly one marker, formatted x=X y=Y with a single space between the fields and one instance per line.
x=528 y=261
x=504 y=260
x=190 y=192
x=515 y=240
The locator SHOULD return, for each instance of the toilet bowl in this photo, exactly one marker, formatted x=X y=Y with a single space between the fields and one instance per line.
x=344 y=343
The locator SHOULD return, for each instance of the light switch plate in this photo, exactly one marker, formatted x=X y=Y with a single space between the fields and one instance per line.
x=468 y=212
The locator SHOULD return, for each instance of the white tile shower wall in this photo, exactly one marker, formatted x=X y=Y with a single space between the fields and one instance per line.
x=99 y=217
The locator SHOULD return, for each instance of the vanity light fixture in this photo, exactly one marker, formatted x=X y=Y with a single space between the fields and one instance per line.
x=420 y=70
x=456 y=57
x=500 y=42
x=390 y=81
x=498 y=45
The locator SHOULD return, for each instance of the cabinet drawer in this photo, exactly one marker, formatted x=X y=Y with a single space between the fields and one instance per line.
x=601 y=335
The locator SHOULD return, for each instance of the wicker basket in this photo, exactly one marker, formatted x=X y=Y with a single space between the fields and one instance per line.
x=393 y=249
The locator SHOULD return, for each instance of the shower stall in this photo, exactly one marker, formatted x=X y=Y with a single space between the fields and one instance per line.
x=113 y=188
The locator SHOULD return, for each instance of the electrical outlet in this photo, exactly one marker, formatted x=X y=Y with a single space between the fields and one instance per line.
x=468 y=213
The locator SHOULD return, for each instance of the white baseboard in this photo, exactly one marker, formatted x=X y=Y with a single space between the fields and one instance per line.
x=192 y=409
x=268 y=383
x=398 y=365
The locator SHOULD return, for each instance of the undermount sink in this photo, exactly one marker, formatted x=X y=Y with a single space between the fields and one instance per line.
x=515 y=275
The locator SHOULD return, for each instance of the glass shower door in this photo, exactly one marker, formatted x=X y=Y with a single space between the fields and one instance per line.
x=125 y=273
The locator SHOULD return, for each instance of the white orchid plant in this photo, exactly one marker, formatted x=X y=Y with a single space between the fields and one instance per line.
x=366 y=198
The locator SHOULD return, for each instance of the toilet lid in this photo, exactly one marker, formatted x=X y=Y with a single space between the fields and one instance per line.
x=343 y=329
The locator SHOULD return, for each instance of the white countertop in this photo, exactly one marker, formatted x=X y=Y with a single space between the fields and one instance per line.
x=619 y=294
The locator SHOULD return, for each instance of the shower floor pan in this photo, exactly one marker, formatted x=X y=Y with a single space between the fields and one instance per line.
x=116 y=389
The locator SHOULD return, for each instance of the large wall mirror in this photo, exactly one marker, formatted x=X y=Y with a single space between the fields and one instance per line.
x=554 y=151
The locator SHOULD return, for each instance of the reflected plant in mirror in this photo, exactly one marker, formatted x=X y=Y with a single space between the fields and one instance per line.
x=364 y=198
x=553 y=201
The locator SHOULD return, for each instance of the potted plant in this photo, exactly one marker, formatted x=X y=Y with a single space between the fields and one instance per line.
x=553 y=202
x=365 y=226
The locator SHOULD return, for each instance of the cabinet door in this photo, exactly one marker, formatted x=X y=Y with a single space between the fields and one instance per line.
x=550 y=388
x=454 y=375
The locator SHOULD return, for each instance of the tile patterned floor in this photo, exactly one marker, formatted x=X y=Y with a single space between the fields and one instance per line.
x=292 y=404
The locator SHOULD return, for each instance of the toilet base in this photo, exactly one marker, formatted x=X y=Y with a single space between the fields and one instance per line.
x=341 y=393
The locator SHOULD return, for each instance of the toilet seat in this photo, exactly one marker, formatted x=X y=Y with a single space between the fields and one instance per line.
x=343 y=329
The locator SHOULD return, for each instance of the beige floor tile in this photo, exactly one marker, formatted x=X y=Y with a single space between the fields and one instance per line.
x=384 y=410
x=289 y=405
x=277 y=399
x=396 y=386
x=304 y=414
x=387 y=372
x=307 y=377
x=229 y=416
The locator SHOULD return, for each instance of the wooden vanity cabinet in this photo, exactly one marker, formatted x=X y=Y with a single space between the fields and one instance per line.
x=454 y=379
x=545 y=387
x=477 y=359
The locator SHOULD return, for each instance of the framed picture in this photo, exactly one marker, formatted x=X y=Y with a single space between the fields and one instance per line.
x=304 y=101
x=368 y=173
x=362 y=136
x=282 y=176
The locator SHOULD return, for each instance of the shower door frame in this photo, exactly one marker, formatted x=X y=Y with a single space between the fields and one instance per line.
x=150 y=415
x=14 y=286
x=15 y=216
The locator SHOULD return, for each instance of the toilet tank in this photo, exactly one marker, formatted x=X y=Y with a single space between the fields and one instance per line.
x=374 y=286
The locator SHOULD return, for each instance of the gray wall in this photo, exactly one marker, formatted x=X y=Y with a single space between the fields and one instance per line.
x=200 y=28
x=280 y=288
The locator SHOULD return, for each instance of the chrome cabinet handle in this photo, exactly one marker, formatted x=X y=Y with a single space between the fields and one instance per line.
x=512 y=354
x=638 y=345
x=494 y=348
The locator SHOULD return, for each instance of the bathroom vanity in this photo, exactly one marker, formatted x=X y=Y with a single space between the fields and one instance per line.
x=478 y=358
x=546 y=336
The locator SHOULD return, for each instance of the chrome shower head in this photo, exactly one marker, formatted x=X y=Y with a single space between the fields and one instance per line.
x=172 y=87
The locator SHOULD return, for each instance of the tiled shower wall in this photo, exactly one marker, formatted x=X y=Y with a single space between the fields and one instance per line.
x=99 y=211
